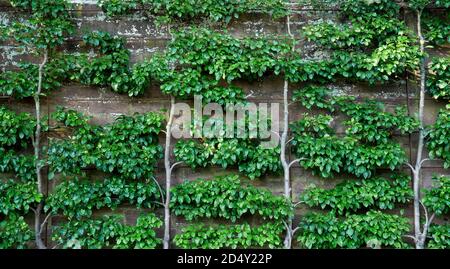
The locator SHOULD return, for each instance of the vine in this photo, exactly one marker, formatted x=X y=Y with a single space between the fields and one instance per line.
x=15 y=128
x=365 y=49
x=45 y=29
x=16 y=131
x=128 y=149
x=21 y=165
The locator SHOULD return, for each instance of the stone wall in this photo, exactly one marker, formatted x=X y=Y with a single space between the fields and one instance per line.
x=144 y=38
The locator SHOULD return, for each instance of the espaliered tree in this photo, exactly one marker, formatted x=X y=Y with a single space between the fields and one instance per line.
x=110 y=67
x=41 y=34
x=203 y=62
x=374 y=47
x=128 y=151
x=19 y=193
x=210 y=61
x=368 y=145
x=370 y=44
x=437 y=78
x=388 y=49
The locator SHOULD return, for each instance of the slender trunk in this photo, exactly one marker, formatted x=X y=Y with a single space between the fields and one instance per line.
x=420 y=237
x=284 y=138
x=168 y=168
x=37 y=145
x=417 y=231
x=37 y=227
x=285 y=164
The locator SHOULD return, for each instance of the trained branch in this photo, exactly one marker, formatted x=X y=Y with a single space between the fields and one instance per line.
x=283 y=142
x=174 y=165
x=411 y=167
x=168 y=169
x=423 y=161
x=298 y=203
x=36 y=144
x=296 y=161
x=45 y=222
x=160 y=190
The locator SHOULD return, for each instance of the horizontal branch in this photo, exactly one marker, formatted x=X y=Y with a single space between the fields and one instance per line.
x=296 y=161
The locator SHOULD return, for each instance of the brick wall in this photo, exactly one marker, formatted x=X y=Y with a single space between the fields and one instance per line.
x=144 y=38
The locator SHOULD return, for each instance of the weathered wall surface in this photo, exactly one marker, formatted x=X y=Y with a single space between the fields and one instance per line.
x=144 y=38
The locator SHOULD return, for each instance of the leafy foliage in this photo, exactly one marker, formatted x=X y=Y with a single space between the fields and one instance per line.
x=128 y=147
x=77 y=199
x=18 y=197
x=374 y=46
x=438 y=81
x=48 y=26
x=118 y=7
x=443 y=3
x=14 y=233
x=110 y=66
x=16 y=131
x=437 y=199
x=439 y=137
x=319 y=231
x=369 y=44
x=15 y=128
x=313 y=96
x=233 y=236
x=368 y=143
x=199 y=60
x=187 y=10
x=371 y=123
x=225 y=198
x=20 y=164
x=440 y=237
x=243 y=146
x=141 y=236
x=23 y=83
x=249 y=156
x=437 y=28
x=108 y=231
x=352 y=196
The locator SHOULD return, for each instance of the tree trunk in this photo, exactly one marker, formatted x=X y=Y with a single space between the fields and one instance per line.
x=37 y=145
x=285 y=164
x=419 y=236
x=168 y=168
x=283 y=145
